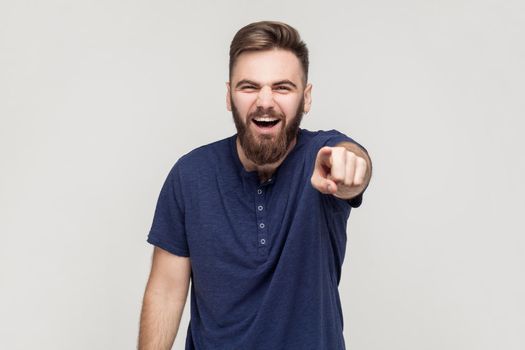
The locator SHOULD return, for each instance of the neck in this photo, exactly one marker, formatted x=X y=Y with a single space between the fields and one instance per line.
x=265 y=171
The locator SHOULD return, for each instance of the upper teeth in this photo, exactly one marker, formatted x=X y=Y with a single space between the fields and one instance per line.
x=265 y=119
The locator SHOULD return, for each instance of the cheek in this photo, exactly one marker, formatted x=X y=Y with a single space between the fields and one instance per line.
x=243 y=105
x=288 y=106
x=285 y=104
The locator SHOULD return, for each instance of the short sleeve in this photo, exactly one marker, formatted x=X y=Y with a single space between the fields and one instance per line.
x=357 y=200
x=168 y=227
x=331 y=138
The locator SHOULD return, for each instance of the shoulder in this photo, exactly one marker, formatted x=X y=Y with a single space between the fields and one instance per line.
x=205 y=155
x=330 y=138
x=320 y=138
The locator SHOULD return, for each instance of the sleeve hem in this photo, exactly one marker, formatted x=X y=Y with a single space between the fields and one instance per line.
x=168 y=247
x=356 y=201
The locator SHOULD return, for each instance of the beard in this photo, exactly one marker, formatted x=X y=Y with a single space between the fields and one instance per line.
x=267 y=149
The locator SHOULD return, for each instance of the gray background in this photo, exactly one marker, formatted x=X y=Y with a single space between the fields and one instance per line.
x=98 y=99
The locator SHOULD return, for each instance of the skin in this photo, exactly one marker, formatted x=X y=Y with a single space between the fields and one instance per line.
x=343 y=171
x=271 y=79
x=257 y=82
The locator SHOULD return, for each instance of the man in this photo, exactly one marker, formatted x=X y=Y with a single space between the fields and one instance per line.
x=256 y=220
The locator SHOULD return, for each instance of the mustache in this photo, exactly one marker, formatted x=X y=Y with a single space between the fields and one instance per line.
x=260 y=112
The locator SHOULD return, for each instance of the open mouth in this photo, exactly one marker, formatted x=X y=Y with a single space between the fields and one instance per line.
x=266 y=122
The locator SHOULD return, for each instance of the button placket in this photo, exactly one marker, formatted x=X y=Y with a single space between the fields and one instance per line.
x=260 y=212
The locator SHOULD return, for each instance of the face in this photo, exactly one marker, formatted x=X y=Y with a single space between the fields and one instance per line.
x=267 y=98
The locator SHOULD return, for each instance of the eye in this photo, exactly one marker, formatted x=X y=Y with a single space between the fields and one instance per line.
x=282 y=87
x=247 y=87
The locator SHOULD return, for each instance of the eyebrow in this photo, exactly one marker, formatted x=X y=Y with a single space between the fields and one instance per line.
x=280 y=82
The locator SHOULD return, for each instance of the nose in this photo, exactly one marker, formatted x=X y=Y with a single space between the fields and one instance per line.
x=265 y=97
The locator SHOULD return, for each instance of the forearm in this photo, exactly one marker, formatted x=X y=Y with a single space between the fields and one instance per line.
x=159 y=321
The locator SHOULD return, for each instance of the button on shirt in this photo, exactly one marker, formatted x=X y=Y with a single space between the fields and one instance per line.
x=266 y=257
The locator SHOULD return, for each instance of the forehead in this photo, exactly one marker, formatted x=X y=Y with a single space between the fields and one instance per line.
x=267 y=66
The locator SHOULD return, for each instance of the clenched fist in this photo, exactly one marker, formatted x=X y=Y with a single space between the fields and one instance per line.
x=339 y=172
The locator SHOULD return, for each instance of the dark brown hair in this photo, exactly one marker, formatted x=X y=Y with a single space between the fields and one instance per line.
x=266 y=35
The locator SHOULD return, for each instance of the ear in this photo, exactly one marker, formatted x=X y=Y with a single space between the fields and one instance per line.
x=228 y=97
x=307 y=98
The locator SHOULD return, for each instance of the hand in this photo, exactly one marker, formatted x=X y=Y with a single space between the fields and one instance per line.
x=339 y=172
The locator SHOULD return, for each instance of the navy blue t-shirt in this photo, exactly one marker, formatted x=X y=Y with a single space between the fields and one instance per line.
x=266 y=257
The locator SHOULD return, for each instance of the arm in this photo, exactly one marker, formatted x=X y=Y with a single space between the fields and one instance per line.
x=343 y=171
x=164 y=300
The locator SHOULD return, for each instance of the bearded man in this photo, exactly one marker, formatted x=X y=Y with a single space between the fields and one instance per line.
x=256 y=221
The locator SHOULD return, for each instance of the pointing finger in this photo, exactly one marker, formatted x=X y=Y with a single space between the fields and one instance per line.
x=324 y=156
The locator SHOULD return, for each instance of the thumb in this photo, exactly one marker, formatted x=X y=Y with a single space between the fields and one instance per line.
x=323 y=184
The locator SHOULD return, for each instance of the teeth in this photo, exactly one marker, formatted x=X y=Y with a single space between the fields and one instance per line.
x=265 y=119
